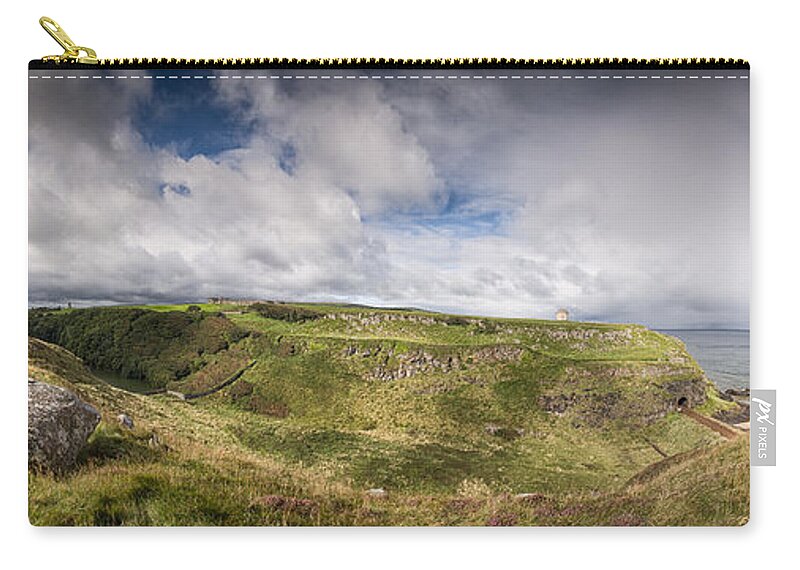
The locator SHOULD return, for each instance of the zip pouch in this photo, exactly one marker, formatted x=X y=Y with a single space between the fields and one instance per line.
x=387 y=292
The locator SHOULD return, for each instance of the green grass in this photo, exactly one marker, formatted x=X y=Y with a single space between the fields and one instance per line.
x=714 y=403
x=323 y=415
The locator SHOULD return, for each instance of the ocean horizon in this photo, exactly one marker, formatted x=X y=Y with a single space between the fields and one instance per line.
x=724 y=354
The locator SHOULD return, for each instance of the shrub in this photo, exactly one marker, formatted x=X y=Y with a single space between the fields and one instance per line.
x=281 y=312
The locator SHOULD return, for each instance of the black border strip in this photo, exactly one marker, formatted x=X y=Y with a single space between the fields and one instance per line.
x=381 y=63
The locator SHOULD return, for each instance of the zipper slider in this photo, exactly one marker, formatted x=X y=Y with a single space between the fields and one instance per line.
x=72 y=52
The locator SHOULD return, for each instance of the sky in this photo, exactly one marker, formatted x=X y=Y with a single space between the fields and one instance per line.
x=622 y=201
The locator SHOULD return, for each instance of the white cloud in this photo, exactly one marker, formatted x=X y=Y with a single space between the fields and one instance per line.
x=619 y=206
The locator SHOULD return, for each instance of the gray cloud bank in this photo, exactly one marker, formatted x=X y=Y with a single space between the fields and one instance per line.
x=622 y=201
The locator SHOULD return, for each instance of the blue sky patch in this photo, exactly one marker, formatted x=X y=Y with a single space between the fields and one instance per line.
x=287 y=159
x=186 y=116
x=463 y=215
x=179 y=189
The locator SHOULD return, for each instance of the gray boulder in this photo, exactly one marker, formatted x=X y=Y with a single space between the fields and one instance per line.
x=125 y=421
x=59 y=423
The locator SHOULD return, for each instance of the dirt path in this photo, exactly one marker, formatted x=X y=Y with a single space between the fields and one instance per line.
x=719 y=427
x=656 y=448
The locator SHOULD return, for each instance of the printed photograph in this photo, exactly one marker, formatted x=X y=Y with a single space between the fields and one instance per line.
x=388 y=297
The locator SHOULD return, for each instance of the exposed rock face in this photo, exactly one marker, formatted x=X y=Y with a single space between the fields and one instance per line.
x=614 y=336
x=405 y=365
x=611 y=400
x=368 y=319
x=737 y=415
x=692 y=392
x=59 y=424
x=734 y=393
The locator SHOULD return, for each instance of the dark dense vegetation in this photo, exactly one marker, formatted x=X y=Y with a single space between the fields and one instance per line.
x=158 y=347
x=288 y=313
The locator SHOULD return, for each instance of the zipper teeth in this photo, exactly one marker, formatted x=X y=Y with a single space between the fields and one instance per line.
x=442 y=63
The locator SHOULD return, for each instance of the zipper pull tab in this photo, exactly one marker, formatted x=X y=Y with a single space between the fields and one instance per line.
x=72 y=52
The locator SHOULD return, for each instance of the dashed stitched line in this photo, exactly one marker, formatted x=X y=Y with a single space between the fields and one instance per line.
x=392 y=77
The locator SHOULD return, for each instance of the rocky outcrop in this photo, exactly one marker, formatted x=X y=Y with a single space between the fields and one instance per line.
x=613 y=399
x=737 y=415
x=593 y=409
x=613 y=336
x=125 y=421
x=735 y=395
x=408 y=364
x=373 y=318
x=688 y=392
x=59 y=424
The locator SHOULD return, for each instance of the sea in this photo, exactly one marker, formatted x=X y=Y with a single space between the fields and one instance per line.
x=723 y=354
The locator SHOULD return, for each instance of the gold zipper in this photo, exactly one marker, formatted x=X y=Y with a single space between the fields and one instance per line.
x=72 y=52
x=75 y=55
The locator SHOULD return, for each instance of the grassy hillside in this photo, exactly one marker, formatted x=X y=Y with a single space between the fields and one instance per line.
x=159 y=347
x=452 y=416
